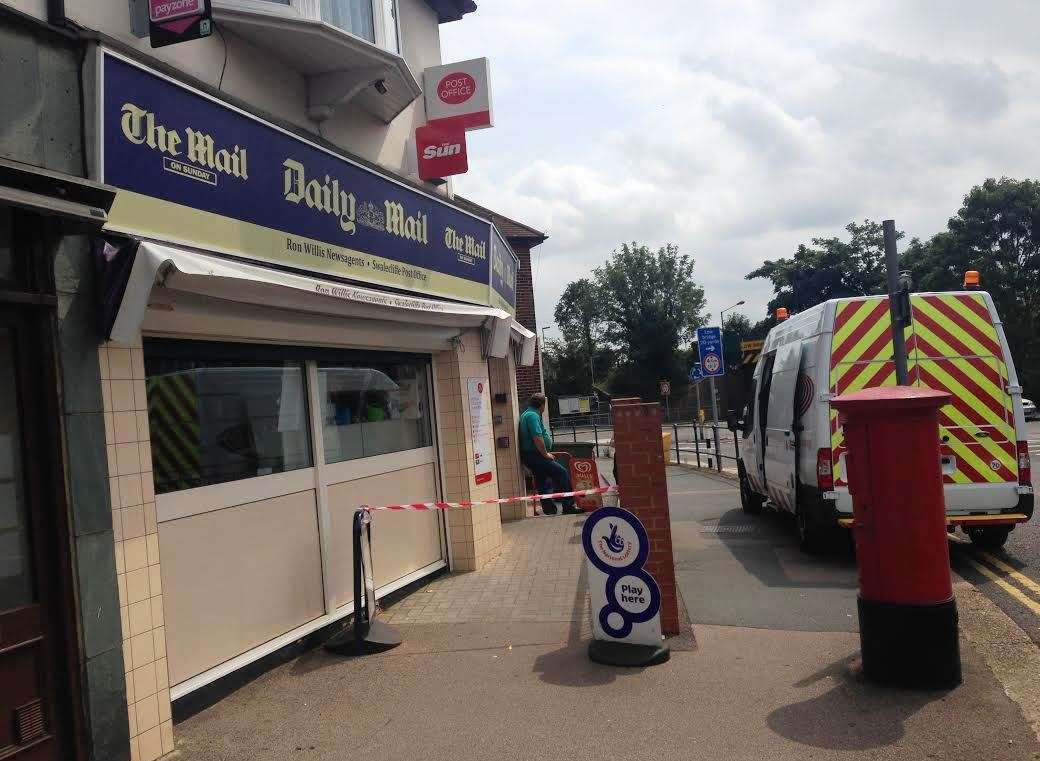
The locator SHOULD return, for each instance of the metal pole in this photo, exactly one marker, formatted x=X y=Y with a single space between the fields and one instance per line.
x=667 y=408
x=675 y=434
x=697 y=441
x=715 y=421
x=898 y=339
x=697 y=417
x=595 y=434
x=574 y=432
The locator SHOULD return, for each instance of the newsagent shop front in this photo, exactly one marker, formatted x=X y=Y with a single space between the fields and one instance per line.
x=293 y=334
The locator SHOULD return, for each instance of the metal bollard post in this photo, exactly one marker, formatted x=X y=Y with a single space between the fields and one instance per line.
x=697 y=442
x=574 y=433
x=595 y=435
x=718 y=447
x=675 y=436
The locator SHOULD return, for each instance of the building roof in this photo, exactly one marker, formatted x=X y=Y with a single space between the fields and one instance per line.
x=508 y=227
x=451 y=10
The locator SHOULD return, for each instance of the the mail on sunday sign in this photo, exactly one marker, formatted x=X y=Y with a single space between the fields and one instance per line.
x=459 y=94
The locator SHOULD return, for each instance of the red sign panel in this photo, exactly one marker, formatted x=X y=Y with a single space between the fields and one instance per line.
x=585 y=475
x=441 y=151
x=456 y=88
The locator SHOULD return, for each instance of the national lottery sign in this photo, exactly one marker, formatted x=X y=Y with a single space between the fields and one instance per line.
x=192 y=169
x=626 y=600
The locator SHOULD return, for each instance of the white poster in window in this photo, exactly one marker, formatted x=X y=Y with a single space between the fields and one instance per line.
x=480 y=429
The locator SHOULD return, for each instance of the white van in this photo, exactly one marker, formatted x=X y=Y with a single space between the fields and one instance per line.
x=793 y=454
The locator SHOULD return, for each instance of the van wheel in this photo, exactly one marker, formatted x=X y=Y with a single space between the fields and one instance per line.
x=989 y=537
x=811 y=538
x=750 y=502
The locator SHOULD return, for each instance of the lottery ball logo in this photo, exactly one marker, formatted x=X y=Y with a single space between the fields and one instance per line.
x=616 y=543
x=712 y=363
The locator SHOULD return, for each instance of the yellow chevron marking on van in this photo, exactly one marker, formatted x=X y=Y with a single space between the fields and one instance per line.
x=957 y=304
x=860 y=311
x=965 y=453
x=954 y=386
x=937 y=341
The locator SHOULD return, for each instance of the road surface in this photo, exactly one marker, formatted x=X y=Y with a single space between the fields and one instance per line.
x=1010 y=577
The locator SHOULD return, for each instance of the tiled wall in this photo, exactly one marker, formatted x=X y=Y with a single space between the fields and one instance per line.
x=137 y=549
x=510 y=474
x=475 y=534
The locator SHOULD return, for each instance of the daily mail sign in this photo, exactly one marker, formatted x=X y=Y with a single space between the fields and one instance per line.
x=459 y=93
x=191 y=169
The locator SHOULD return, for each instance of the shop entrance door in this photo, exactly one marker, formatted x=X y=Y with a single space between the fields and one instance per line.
x=29 y=729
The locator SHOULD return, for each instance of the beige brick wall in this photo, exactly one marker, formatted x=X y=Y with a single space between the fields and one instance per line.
x=137 y=549
x=475 y=534
x=510 y=473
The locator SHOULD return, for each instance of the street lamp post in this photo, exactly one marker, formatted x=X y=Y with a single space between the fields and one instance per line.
x=714 y=399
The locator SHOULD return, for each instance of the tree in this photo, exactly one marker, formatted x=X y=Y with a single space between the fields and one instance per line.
x=828 y=268
x=650 y=310
x=997 y=232
x=735 y=328
x=578 y=318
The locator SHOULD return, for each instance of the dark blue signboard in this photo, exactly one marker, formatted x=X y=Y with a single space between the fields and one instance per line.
x=194 y=170
x=504 y=266
x=709 y=346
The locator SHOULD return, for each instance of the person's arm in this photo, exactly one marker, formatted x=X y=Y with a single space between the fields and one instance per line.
x=539 y=444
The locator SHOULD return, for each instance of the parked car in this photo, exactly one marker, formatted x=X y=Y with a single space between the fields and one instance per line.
x=1029 y=409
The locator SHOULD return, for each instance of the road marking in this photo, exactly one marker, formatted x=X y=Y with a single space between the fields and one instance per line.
x=999 y=581
x=1021 y=578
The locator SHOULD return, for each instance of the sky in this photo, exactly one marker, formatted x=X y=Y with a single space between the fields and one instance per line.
x=738 y=129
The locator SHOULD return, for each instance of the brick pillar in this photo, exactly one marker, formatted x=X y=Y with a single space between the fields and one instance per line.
x=644 y=491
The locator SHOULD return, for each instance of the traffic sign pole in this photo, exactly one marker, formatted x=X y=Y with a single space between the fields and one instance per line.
x=715 y=424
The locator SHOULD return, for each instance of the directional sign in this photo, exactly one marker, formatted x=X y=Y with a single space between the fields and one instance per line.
x=696 y=374
x=709 y=346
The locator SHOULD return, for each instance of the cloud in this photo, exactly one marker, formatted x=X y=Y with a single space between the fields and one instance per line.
x=741 y=130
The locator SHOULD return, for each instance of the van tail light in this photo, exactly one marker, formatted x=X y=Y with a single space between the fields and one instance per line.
x=824 y=471
x=1025 y=468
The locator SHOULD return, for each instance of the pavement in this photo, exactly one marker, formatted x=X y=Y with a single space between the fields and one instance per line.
x=494 y=665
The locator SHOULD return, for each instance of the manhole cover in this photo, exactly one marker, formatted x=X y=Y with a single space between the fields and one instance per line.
x=738 y=528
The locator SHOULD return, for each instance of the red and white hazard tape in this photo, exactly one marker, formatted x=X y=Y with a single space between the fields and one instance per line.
x=421 y=506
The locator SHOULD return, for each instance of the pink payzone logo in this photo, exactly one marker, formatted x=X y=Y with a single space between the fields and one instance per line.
x=161 y=11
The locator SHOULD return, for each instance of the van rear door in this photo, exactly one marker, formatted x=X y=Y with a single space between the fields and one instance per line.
x=955 y=348
x=780 y=436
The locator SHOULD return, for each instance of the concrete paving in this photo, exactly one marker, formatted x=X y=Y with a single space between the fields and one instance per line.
x=771 y=677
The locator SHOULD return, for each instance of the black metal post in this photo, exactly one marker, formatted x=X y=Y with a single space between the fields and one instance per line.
x=697 y=442
x=675 y=434
x=595 y=434
x=898 y=339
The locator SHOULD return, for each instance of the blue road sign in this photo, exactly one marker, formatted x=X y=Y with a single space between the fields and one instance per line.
x=709 y=346
x=696 y=374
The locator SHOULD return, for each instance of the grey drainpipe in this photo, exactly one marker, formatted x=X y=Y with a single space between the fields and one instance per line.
x=56 y=12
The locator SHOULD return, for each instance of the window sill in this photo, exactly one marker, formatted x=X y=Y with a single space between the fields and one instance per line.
x=338 y=66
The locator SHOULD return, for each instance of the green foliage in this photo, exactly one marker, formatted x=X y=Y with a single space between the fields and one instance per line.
x=640 y=309
x=828 y=268
x=997 y=232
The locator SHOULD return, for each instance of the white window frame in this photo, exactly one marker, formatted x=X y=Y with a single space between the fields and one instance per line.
x=311 y=9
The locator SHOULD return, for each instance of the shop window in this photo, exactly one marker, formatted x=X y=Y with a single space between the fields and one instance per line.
x=213 y=421
x=373 y=408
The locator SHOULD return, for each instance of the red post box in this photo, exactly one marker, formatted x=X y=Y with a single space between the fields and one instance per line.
x=907 y=614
